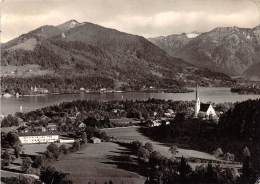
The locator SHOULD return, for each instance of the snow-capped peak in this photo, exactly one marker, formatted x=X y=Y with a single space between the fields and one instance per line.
x=68 y=25
x=192 y=35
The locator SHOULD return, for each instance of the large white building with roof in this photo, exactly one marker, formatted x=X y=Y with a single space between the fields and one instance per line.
x=39 y=137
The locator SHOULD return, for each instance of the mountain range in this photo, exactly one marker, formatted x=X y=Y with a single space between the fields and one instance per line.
x=74 y=49
x=230 y=50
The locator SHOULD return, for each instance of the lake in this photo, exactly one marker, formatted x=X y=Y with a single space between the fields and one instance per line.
x=28 y=103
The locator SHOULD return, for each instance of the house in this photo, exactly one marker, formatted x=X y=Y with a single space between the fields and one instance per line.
x=37 y=137
x=95 y=140
x=23 y=129
x=66 y=140
x=52 y=127
x=82 y=125
x=103 y=90
x=7 y=95
x=153 y=123
x=169 y=113
x=39 y=129
x=39 y=90
x=201 y=108
x=45 y=118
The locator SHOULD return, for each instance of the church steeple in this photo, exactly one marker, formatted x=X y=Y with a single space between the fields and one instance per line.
x=197 y=104
x=197 y=92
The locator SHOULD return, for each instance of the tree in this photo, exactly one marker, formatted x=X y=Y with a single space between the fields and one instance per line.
x=184 y=169
x=20 y=180
x=13 y=139
x=76 y=146
x=210 y=175
x=9 y=121
x=50 y=175
x=229 y=157
x=218 y=152
x=63 y=149
x=136 y=145
x=143 y=154
x=247 y=172
x=17 y=150
x=84 y=137
x=6 y=158
x=149 y=146
x=53 y=151
x=173 y=149
x=38 y=161
x=26 y=164
x=155 y=159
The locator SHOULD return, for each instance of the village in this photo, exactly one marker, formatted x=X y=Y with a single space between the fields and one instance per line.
x=41 y=131
x=68 y=130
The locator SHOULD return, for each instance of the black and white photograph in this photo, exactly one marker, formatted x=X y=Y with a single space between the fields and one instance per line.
x=130 y=91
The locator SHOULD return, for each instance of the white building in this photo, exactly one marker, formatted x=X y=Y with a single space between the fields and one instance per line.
x=208 y=110
x=201 y=108
x=154 y=123
x=95 y=140
x=66 y=140
x=37 y=138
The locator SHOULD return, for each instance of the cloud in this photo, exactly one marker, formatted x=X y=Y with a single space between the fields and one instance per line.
x=171 y=22
x=142 y=17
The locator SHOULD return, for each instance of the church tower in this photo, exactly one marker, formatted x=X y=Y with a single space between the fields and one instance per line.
x=197 y=104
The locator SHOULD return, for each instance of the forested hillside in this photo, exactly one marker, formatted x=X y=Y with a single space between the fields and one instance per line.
x=90 y=50
x=241 y=124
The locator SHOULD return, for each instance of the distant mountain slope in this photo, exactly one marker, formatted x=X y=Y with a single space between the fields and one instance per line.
x=230 y=50
x=253 y=72
x=90 y=50
x=171 y=43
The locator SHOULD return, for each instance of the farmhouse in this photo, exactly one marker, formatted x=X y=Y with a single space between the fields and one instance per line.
x=153 y=123
x=39 y=129
x=52 y=127
x=37 y=138
x=82 y=125
x=95 y=140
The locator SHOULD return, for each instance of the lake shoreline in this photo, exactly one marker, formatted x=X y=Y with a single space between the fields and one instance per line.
x=29 y=103
x=186 y=90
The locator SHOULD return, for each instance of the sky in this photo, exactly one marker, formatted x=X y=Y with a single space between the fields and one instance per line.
x=148 y=18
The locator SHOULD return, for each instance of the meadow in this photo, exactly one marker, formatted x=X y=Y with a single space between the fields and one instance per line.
x=99 y=163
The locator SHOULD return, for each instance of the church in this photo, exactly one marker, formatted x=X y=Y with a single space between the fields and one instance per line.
x=205 y=109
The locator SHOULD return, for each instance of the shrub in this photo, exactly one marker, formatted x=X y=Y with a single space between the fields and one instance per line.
x=63 y=149
x=149 y=147
x=26 y=164
x=53 y=151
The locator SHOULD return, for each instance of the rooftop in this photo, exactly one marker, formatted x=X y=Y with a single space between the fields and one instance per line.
x=204 y=107
x=38 y=133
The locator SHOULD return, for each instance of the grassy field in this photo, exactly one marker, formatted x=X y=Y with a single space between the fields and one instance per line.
x=35 y=149
x=98 y=163
x=132 y=134
x=23 y=71
x=109 y=161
